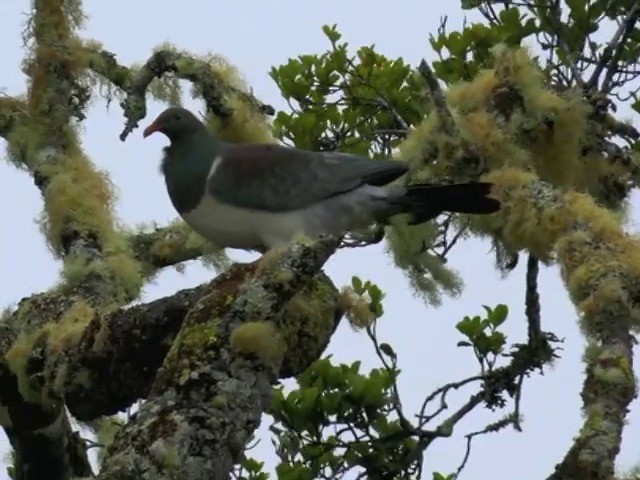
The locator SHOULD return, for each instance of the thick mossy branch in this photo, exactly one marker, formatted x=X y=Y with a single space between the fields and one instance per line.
x=216 y=380
x=528 y=140
x=101 y=363
x=40 y=141
x=209 y=75
x=78 y=219
x=600 y=266
x=506 y=117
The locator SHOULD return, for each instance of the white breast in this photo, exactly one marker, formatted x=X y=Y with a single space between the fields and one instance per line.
x=233 y=227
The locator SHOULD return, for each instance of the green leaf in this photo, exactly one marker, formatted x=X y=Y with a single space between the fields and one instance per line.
x=496 y=343
x=356 y=283
x=375 y=293
x=498 y=315
x=332 y=33
x=470 y=327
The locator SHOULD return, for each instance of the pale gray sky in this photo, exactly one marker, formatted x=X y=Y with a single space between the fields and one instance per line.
x=255 y=36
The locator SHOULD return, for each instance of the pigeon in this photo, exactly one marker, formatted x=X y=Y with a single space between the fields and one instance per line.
x=260 y=196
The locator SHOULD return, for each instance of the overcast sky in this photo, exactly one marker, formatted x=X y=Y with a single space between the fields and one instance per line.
x=255 y=36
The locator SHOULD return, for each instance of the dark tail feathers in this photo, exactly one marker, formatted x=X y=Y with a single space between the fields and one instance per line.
x=426 y=201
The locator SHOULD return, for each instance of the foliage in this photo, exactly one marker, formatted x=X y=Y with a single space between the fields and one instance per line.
x=530 y=103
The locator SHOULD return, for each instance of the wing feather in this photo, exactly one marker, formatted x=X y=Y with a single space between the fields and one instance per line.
x=278 y=178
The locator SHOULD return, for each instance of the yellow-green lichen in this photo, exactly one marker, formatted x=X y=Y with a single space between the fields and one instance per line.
x=598 y=260
x=55 y=337
x=165 y=455
x=77 y=198
x=509 y=117
x=180 y=242
x=246 y=124
x=192 y=340
x=219 y=401
x=262 y=339
x=428 y=274
x=118 y=265
x=17 y=359
x=79 y=201
x=306 y=323
x=105 y=430
x=356 y=308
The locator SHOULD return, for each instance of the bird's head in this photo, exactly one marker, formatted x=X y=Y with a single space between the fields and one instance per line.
x=176 y=123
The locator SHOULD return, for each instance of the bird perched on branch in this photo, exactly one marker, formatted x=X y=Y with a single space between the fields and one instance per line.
x=259 y=196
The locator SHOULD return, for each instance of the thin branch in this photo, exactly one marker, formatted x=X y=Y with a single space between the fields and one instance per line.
x=613 y=50
x=446 y=119
x=532 y=300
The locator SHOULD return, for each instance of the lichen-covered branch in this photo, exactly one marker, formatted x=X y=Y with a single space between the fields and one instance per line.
x=437 y=96
x=40 y=432
x=134 y=83
x=12 y=111
x=215 y=383
x=599 y=263
x=172 y=245
x=101 y=363
x=78 y=225
x=601 y=268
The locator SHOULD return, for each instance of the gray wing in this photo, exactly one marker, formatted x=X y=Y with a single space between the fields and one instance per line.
x=278 y=178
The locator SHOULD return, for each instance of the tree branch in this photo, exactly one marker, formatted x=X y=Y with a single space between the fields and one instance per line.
x=111 y=359
x=171 y=245
x=135 y=83
x=444 y=115
x=215 y=383
x=582 y=237
x=611 y=54
x=39 y=432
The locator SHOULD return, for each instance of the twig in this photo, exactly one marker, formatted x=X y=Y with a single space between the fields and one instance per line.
x=446 y=119
x=627 y=25
x=556 y=14
x=532 y=300
x=614 y=47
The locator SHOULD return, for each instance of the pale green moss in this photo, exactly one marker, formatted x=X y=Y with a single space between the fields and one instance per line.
x=165 y=455
x=262 y=339
x=55 y=337
x=356 y=308
x=17 y=360
x=105 y=430
x=77 y=197
x=219 y=401
x=190 y=342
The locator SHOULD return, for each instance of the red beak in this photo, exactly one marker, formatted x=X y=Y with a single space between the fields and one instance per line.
x=152 y=128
